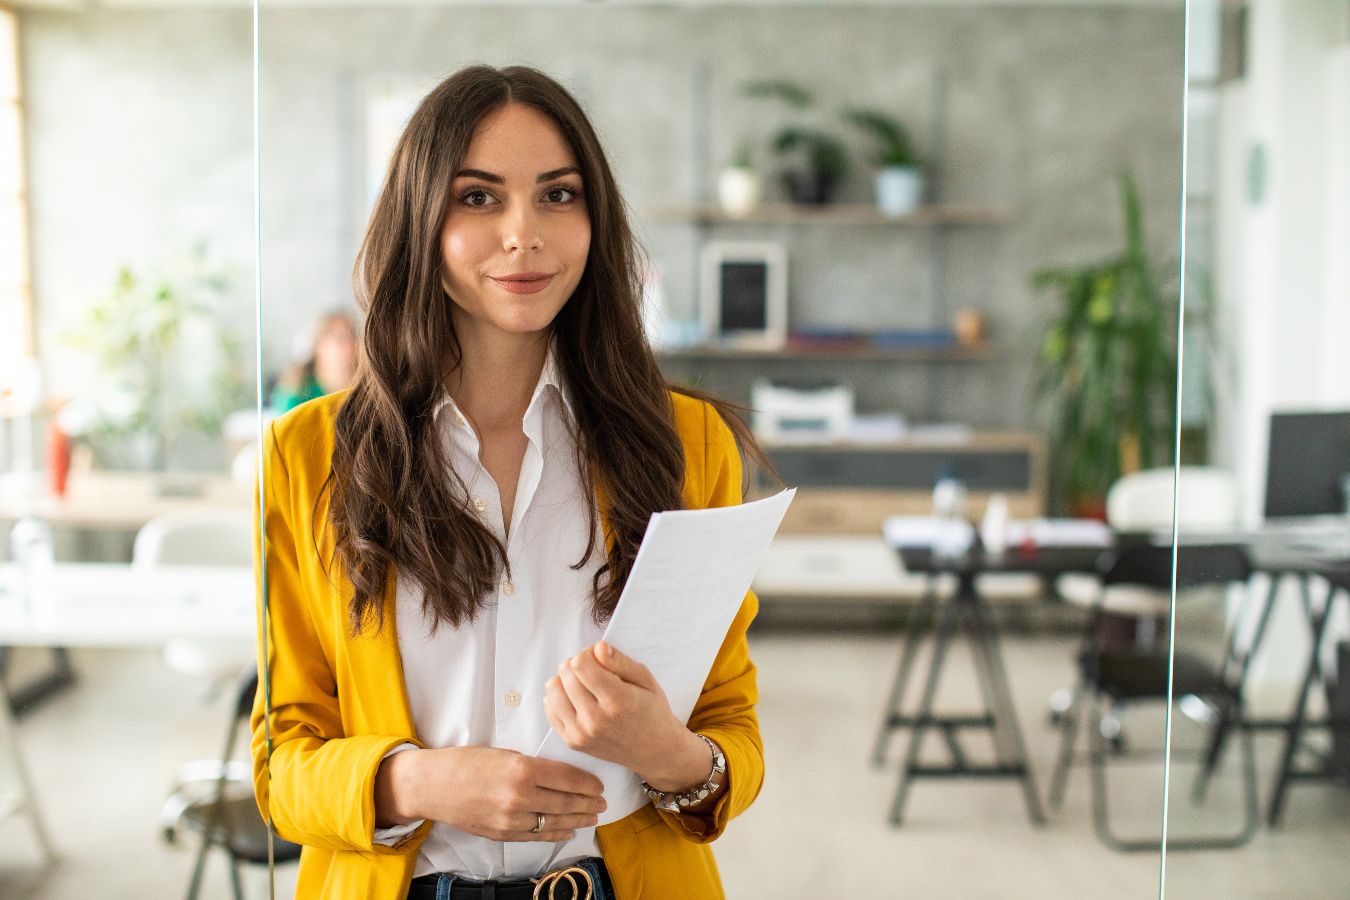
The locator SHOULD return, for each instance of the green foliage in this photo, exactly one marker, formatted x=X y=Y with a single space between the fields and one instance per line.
x=812 y=148
x=136 y=333
x=823 y=152
x=894 y=145
x=1108 y=362
x=791 y=93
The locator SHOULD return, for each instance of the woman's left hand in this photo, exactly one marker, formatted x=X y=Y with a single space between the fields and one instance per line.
x=609 y=706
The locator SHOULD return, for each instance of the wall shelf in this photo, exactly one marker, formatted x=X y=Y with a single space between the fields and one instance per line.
x=835 y=214
x=958 y=353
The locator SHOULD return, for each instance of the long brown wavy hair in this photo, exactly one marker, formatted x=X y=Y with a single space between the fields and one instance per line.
x=395 y=502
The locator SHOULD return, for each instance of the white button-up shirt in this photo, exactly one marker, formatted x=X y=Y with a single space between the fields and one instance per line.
x=482 y=684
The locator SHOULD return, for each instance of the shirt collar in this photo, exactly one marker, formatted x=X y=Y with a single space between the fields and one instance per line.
x=550 y=376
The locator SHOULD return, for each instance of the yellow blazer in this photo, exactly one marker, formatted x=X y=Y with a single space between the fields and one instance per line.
x=340 y=703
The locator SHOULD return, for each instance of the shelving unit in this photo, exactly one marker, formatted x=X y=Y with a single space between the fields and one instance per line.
x=847 y=489
x=957 y=353
x=834 y=214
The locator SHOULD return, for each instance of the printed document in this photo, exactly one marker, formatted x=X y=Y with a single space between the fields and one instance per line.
x=687 y=584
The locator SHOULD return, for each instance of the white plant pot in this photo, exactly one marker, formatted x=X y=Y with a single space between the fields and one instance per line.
x=739 y=191
x=899 y=190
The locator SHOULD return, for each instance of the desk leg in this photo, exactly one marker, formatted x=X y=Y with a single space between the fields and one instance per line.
x=1294 y=734
x=27 y=802
x=922 y=620
x=986 y=646
x=28 y=696
x=950 y=609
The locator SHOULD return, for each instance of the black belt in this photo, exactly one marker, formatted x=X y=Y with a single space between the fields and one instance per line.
x=424 y=888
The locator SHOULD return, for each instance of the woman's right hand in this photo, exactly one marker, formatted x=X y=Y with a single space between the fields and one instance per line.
x=487 y=791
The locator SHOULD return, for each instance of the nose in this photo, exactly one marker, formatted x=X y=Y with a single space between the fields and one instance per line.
x=520 y=229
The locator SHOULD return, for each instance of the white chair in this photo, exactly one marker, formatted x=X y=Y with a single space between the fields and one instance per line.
x=201 y=536
x=1206 y=501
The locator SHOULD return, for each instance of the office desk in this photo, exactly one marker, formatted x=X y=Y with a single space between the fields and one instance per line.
x=110 y=605
x=118 y=605
x=965 y=608
x=124 y=501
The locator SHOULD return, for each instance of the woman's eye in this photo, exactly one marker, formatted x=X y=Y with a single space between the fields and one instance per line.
x=567 y=194
x=474 y=197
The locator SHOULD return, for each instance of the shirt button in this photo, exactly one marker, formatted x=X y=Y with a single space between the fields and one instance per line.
x=479 y=504
x=508 y=589
x=512 y=698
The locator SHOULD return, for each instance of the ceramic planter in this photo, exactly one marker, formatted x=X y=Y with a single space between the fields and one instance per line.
x=899 y=190
x=738 y=191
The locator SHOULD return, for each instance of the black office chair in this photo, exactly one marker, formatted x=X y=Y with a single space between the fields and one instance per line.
x=1115 y=675
x=218 y=806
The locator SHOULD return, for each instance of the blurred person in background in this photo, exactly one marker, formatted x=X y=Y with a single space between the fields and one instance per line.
x=447 y=540
x=331 y=365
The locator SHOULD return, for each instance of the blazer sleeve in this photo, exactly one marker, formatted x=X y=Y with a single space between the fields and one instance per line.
x=315 y=784
x=725 y=710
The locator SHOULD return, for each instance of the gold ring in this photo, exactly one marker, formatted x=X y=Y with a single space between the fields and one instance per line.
x=538 y=823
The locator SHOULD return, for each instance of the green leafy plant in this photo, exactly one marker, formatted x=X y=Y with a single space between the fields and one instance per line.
x=894 y=147
x=1108 y=365
x=790 y=92
x=817 y=160
x=136 y=333
x=822 y=152
x=741 y=157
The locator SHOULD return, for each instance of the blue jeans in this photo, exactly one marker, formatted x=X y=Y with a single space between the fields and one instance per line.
x=594 y=866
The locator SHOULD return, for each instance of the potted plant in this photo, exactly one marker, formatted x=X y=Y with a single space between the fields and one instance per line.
x=899 y=177
x=168 y=364
x=1108 y=367
x=739 y=186
x=817 y=160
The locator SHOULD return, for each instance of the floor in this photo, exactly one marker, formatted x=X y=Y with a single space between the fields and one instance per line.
x=104 y=756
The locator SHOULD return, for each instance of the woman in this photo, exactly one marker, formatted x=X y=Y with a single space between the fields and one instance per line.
x=330 y=367
x=446 y=541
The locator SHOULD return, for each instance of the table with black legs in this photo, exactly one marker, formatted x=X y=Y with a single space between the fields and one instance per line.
x=1282 y=563
x=966 y=609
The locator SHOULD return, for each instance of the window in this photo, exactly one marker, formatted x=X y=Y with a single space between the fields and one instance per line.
x=16 y=307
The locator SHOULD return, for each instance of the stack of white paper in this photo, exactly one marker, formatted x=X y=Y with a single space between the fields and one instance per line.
x=686 y=586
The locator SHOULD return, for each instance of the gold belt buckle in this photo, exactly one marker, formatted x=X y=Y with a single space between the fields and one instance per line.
x=551 y=880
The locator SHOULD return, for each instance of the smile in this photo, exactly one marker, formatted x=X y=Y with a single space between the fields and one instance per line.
x=530 y=284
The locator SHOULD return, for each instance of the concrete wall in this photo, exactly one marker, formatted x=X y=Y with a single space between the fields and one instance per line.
x=141 y=142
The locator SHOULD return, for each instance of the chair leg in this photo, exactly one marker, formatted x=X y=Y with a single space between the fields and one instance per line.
x=1218 y=739
x=1251 y=813
x=234 y=878
x=1100 y=811
x=195 y=885
x=1068 y=741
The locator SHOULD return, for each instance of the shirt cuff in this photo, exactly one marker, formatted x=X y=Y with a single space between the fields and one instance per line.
x=395 y=833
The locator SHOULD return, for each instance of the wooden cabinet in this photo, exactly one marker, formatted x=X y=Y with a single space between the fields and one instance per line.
x=851 y=489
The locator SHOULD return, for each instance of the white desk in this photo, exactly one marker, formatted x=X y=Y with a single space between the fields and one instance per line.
x=116 y=605
x=126 y=500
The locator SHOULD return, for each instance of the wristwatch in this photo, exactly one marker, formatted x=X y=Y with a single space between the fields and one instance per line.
x=676 y=802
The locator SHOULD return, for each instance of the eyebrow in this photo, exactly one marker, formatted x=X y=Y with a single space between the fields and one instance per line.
x=498 y=179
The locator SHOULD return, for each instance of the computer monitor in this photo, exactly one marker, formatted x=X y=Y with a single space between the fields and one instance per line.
x=1308 y=464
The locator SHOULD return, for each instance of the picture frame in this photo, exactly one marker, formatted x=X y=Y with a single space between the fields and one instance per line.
x=744 y=293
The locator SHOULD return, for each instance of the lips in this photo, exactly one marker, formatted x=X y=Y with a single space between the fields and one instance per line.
x=525 y=282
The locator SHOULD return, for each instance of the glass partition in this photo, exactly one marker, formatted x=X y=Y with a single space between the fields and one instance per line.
x=1258 y=762
x=126 y=411
x=990 y=344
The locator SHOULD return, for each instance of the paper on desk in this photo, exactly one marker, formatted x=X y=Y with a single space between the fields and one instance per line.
x=686 y=586
x=1061 y=532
